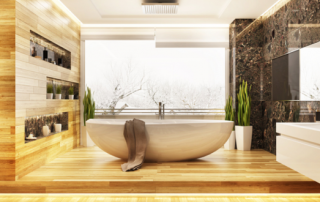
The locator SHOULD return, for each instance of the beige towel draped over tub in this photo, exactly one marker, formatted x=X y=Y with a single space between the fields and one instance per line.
x=135 y=135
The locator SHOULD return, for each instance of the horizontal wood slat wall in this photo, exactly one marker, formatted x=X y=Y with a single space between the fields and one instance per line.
x=7 y=89
x=48 y=20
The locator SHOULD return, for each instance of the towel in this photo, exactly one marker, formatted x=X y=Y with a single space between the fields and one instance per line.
x=135 y=135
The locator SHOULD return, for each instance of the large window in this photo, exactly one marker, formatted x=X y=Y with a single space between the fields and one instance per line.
x=136 y=74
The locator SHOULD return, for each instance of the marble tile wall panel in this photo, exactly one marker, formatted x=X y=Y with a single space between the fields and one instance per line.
x=288 y=26
x=236 y=27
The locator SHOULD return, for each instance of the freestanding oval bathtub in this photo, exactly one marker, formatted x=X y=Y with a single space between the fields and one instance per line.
x=168 y=140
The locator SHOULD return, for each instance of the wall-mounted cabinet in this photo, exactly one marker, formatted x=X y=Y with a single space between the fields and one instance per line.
x=48 y=51
x=38 y=127
x=64 y=93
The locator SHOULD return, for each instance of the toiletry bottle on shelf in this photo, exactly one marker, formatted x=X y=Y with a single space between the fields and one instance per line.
x=45 y=54
x=34 y=51
x=60 y=61
x=318 y=116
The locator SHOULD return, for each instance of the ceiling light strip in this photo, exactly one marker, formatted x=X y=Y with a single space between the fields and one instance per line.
x=66 y=10
x=157 y=25
x=270 y=7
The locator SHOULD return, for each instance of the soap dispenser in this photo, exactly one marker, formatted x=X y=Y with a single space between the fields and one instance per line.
x=318 y=116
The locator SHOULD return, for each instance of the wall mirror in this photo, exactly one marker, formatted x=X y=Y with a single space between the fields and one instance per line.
x=296 y=75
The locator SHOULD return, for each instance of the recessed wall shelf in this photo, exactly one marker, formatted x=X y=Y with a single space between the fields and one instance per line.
x=48 y=51
x=65 y=85
x=45 y=125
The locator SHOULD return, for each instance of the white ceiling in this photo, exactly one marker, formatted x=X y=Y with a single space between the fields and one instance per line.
x=190 y=11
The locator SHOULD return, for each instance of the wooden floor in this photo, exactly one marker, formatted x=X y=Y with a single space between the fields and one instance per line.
x=90 y=170
x=158 y=198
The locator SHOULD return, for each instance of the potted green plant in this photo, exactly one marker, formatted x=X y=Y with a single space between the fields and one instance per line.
x=49 y=91
x=71 y=93
x=229 y=111
x=89 y=106
x=58 y=92
x=243 y=129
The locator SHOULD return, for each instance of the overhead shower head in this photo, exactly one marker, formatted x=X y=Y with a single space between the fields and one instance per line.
x=160 y=8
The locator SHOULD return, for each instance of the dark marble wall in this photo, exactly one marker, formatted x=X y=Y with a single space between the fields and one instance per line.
x=236 y=27
x=288 y=26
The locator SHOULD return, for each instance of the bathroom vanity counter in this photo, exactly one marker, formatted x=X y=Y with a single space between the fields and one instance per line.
x=298 y=147
x=309 y=132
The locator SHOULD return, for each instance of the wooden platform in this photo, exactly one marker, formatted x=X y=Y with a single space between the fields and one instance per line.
x=159 y=198
x=90 y=170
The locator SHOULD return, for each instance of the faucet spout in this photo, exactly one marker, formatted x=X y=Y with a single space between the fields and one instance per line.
x=163 y=111
x=160 y=113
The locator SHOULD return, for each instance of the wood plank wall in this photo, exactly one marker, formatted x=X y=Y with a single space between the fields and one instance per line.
x=7 y=89
x=29 y=78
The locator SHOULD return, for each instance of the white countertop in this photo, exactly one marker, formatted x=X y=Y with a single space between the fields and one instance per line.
x=309 y=132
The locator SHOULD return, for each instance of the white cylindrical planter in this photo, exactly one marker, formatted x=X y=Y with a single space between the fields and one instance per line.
x=71 y=97
x=86 y=140
x=244 y=137
x=49 y=95
x=45 y=131
x=58 y=96
x=57 y=127
x=231 y=143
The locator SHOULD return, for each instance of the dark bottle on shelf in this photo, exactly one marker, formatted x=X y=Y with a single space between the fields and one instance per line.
x=45 y=54
x=317 y=116
x=34 y=51
x=60 y=61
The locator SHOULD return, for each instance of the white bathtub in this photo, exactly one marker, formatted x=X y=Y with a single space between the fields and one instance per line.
x=168 y=140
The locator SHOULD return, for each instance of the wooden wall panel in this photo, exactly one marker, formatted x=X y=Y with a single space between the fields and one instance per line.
x=48 y=20
x=7 y=89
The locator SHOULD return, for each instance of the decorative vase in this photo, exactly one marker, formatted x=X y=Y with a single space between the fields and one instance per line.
x=57 y=127
x=71 y=97
x=49 y=95
x=58 y=96
x=231 y=143
x=45 y=131
x=244 y=137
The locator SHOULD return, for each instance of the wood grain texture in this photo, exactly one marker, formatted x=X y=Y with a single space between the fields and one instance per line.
x=160 y=198
x=23 y=84
x=90 y=170
x=7 y=89
x=31 y=75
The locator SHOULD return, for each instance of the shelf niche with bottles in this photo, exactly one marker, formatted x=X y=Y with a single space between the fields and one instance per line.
x=45 y=50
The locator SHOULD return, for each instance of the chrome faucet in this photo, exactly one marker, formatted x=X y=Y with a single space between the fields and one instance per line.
x=161 y=110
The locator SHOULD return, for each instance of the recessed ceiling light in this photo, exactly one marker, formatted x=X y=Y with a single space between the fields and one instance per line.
x=160 y=8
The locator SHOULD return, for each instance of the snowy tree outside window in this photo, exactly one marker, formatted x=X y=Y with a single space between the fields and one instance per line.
x=136 y=74
x=309 y=73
